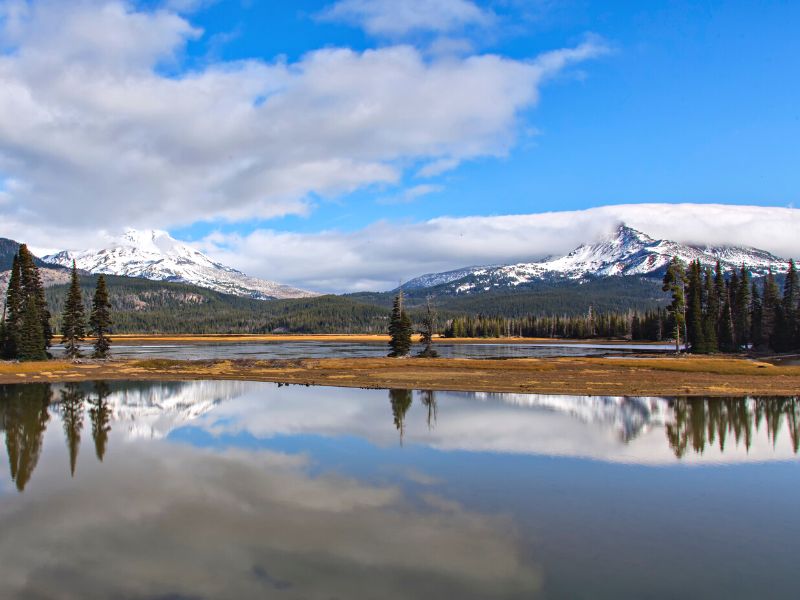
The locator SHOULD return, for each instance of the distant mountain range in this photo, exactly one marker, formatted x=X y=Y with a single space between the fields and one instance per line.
x=626 y=252
x=155 y=255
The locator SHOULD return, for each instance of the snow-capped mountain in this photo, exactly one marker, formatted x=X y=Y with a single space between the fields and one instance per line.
x=625 y=252
x=154 y=254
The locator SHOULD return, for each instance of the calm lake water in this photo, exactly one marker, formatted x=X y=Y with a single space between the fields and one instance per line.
x=251 y=490
x=292 y=350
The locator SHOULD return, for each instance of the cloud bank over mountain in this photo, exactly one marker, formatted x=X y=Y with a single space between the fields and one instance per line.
x=383 y=254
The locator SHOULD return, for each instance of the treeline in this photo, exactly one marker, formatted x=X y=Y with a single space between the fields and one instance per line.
x=26 y=332
x=733 y=313
x=654 y=325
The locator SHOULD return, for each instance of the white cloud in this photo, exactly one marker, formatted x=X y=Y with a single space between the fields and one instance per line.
x=412 y=194
x=398 y=17
x=97 y=136
x=383 y=254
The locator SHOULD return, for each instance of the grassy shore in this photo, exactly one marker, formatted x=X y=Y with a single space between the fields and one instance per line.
x=582 y=376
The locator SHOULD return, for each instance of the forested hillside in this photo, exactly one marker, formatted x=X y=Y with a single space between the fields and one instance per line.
x=609 y=294
x=144 y=306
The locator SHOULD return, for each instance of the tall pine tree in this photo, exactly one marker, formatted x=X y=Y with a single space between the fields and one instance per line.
x=100 y=320
x=13 y=312
x=694 y=312
x=399 y=329
x=31 y=338
x=33 y=287
x=789 y=309
x=756 y=317
x=674 y=282
x=73 y=321
x=741 y=310
x=770 y=302
x=711 y=313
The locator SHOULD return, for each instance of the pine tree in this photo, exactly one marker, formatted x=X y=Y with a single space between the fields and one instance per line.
x=32 y=287
x=674 y=281
x=31 y=339
x=694 y=315
x=399 y=329
x=791 y=299
x=711 y=314
x=727 y=338
x=769 y=308
x=741 y=310
x=427 y=331
x=73 y=321
x=756 y=317
x=100 y=320
x=13 y=313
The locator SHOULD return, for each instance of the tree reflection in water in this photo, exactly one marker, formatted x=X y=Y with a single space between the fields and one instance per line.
x=428 y=399
x=100 y=415
x=699 y=423
x=401 y=401
x=72 y=398
x=23 y=418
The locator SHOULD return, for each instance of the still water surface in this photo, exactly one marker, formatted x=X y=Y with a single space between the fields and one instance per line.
x=317 y=349
x=250 y=490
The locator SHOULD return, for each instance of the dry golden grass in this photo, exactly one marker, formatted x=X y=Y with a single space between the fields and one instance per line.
x=592 y=376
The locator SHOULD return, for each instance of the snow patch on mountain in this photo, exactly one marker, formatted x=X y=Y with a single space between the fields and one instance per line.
x=154 y=254
x=625 y=252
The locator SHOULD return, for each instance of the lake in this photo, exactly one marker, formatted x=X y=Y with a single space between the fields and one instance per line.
x=322 y=349
x=255 y=490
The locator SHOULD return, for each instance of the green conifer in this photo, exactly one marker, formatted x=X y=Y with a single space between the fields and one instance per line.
x=741 y=310
x=33 y=287
x=100 y=320
x=674 y=282
x=711 y=314
x=73 y=320
x=13 y=313
x=694 y=315
x=727 y=338
x=791 y=300
x=31 y=339
x=770 y=304
x=399 y=329
x=756 y=317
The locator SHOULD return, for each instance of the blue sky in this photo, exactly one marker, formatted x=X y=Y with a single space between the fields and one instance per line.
x=346 y=144
x=697 y=102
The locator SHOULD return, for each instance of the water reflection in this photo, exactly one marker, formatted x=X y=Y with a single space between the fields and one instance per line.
x=698 y=422
x=250 y=490
x=517 y=423
x=400 y=401
x=23 y=418
x=100 y=415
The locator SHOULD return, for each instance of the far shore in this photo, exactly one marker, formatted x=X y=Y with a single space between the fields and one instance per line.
x=357 y=338
x=663 y=376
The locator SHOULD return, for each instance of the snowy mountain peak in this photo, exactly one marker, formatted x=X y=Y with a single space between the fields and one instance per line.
x=624 y=251
x=155 y=254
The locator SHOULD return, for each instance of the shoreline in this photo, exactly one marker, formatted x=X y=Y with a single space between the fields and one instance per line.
x=142 y=339
x=592 y=376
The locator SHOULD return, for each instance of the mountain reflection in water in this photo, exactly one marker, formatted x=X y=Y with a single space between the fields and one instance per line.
x=690 y=425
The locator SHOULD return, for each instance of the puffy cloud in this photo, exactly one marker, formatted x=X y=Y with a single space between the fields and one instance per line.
x=399 y=17
x=94 y=133
x=384 y=253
